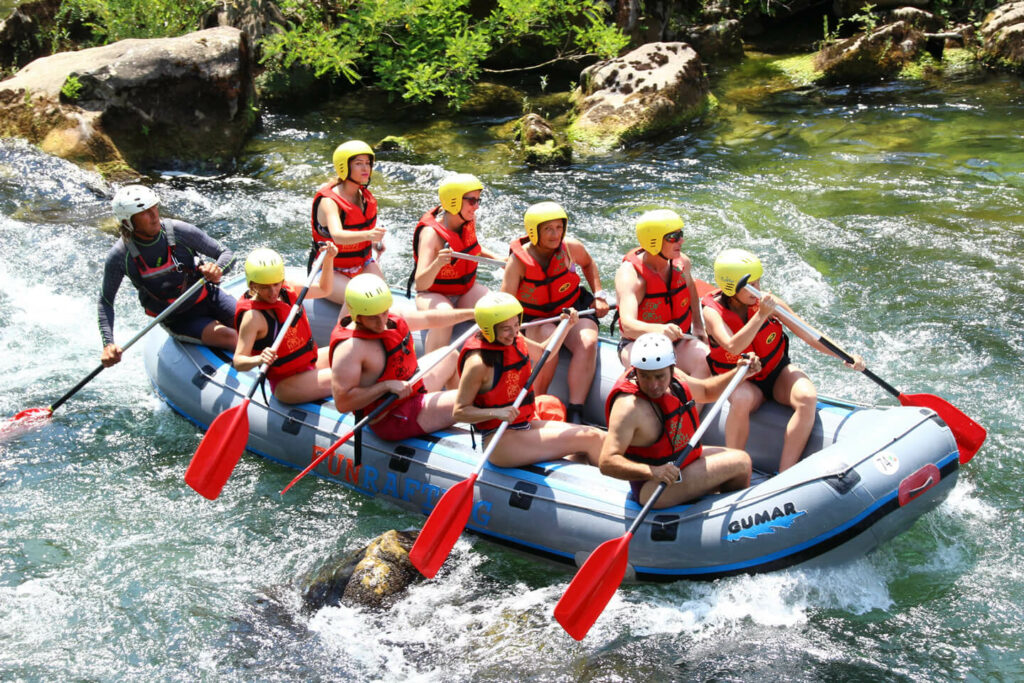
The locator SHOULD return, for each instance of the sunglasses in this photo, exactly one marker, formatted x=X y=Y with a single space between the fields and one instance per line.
x=673 y=236
x=472 y=201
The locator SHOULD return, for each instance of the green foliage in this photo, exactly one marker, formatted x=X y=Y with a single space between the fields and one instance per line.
x=428 y=49
x=113 y=20
x=72 y=88
x=866 y=17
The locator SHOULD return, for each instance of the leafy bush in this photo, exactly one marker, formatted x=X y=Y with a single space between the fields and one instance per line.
x=425 y=49
x=113 y=20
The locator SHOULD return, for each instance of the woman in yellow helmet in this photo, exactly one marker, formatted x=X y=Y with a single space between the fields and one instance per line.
x=544 y=274
x=738 y=323
x=298 y=372
x=349 y=217
x=494 y=366
x=441 y=281
x=657 y=293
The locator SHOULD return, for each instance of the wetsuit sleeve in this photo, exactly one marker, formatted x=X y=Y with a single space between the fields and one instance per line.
x=199 y=242
x=113 y=274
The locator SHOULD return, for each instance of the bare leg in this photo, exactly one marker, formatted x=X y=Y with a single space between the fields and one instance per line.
x=220 y=336
x=795 y=389
x=338 y=291
x=744 y=400
x=437 y=337
x=547 y=373
x=725 y=469
x=582 y=343
x=624 y=355
x=690 y=358
x=437 y=411
x=546 y=440
x=440 y=376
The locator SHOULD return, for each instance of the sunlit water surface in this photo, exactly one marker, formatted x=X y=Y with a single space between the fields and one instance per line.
x=891 y=218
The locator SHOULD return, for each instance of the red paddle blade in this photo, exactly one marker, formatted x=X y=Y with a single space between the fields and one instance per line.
x=593 y=586
x=969 y=434
x=219 y=451
x=24 y=420
x=443 y=527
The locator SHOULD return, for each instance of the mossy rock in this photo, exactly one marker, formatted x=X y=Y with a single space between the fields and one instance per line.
x=548 y=154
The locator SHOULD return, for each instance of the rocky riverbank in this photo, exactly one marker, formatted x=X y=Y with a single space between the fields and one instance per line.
x=139 y=104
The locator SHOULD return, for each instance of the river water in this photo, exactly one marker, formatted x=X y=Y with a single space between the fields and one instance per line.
x=891 y=217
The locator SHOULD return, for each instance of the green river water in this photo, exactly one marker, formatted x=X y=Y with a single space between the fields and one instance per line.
x=892 y=217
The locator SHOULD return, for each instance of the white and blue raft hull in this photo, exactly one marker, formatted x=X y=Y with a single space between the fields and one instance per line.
x=866 y=476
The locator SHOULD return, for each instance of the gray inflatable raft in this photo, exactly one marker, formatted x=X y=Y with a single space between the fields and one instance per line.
x=866 y=475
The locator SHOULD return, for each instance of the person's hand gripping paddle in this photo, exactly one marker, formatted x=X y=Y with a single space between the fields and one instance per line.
x=600 y=576
x=451 y=513
x=225 y=440
x=969 y=434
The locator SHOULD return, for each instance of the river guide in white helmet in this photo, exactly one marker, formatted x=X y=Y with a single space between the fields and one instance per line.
x=443 y=281
x=652 y=414
x=373 y=357
x=486 y=396
x=544 y=274
x=349 y=217
x=656 y=292
x=737 y=323
x=160 y=256
x=299 y=371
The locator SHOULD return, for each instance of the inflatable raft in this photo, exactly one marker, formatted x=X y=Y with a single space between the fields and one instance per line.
x=866 y=475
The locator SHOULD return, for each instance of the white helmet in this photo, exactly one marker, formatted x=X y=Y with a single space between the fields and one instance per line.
x=130 y=200
x=652 y=351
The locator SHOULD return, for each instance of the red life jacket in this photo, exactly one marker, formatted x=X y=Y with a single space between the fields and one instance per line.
x=770 y=343
x=511 y=371
x=297 y=349
x=160 y=285
x=661 y=303
x=399 y=353
x=458 y=277
x=544 y=293
x=679 y=420
x=352 y=218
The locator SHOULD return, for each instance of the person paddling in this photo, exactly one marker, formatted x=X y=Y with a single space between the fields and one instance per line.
x=372 y=356
x=159 y=257
x=348 y=217
x=543 y=275
x=652 y=414
x=444 y=282
x=738 y=323
x=298 y=372
x=656 y=292
x=494 y=365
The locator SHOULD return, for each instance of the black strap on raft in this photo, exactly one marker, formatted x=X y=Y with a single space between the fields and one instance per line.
x=408 y=285
x=357 y=457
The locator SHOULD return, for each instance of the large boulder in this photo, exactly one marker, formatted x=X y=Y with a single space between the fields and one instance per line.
x=1002 y=33
x=656 y=87
x=137 y=104
x=372 y=576
x=871 y=56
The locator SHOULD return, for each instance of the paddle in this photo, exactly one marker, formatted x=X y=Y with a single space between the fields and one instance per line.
x=450 y=515
x=225 y=439
x=32 y=416
x=379 y=410
x=602 y=573
x=969 y=434
x=478 y=259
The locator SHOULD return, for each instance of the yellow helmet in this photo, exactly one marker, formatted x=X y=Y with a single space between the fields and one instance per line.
x=494 y=308
x=542 y=213
x=732 y=265
x=344 y=153
x=367 y=294
x=264 y=267
x=652 y=226
x=453 y=188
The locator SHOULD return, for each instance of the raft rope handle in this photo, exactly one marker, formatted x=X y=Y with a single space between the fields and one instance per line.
x=545 y=499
